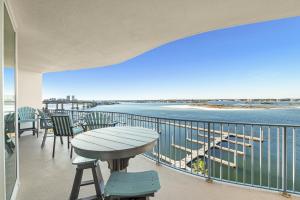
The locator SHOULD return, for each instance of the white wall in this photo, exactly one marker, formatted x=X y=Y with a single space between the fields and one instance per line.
x=29 y=89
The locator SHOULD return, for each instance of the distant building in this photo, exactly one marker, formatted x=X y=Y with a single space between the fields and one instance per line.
x=68 y=98
x=73 y=97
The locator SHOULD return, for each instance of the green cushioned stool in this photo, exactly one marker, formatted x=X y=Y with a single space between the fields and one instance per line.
x=82 y=164
x=120 y=185
x=138 y=185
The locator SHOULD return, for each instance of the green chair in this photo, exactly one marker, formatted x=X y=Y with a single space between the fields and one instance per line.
x=95 y=120
x=63 y=127
x=46 y=124
x=9 y=128
x=120 y=185
x=27 y=115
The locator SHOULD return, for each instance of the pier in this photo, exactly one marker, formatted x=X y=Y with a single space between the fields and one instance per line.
x=213 y=141
x=75 y=104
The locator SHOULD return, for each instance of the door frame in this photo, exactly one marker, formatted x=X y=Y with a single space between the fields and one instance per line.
x=5 y=4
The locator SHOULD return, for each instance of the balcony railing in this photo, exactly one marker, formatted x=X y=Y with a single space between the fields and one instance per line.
x=250 y=154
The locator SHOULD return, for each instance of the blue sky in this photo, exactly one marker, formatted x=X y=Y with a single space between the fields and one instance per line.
x=9 y=79
x=251 y=61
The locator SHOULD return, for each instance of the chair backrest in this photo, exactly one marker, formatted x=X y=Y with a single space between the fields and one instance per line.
x=10 y=125
x=26 y=113
x=96 y=120
x=42 y=114
x=45 y=121
x=62 y=125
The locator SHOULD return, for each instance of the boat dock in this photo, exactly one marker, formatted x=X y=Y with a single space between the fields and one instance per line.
x=213 y=142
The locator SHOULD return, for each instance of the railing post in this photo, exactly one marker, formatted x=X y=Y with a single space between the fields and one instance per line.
x=72 y=115
x=131 y=120
x=209 y=180
x=112 y=117
x=284 y=163
x=158 y=142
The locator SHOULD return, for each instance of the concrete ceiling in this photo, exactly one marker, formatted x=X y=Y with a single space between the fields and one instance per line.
x=56 y=35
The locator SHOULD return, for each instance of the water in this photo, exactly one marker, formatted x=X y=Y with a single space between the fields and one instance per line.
x=243 y=173
x=271 y=116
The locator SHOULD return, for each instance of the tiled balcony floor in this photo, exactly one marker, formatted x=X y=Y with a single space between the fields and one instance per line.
x=44 y=178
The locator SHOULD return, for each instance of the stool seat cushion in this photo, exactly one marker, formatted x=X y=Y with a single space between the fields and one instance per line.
x=79 y=160
x=122 y=184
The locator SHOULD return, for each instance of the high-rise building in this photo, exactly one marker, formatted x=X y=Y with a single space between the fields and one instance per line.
x=73 y=97
x=68 y=98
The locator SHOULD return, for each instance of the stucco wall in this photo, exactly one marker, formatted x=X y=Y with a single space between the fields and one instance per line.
x=29 y=89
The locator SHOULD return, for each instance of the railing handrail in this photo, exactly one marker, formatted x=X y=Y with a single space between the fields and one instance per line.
x=192 y=120
x=190 y=146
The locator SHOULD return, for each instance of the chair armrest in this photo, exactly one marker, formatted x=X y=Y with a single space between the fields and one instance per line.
x=118 y=122
x=114 y=123
x=47 y=118
x=84 y=126
x=27 y=120
x=80 y=124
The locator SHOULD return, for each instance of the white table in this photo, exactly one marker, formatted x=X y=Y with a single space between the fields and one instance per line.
x=116 y=145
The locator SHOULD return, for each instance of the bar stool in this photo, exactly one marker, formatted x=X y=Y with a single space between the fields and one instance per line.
x=120 y=185
x=82 y=164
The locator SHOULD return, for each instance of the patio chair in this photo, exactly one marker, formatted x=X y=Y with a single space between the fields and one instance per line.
x=9 y=128
x=46 y=124
x=27 y=115
x=64 y=127
x=95 y=120
x=120 y=185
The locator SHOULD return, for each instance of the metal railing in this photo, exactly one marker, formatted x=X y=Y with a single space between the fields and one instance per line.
x=251 y=154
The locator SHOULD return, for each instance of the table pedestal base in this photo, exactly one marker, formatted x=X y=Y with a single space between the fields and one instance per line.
x=118 y=164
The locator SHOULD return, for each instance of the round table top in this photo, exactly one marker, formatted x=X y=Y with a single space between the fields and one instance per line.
x=114 y=142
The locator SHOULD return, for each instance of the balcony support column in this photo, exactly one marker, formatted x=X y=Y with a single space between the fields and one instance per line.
x=29 y=89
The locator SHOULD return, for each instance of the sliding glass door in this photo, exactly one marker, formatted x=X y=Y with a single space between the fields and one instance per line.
x=9 y=105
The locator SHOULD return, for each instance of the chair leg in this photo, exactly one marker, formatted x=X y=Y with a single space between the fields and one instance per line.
x=33 y=129
x=71 y=154
x=38 y=126
x=97 y=182
x=76 y=185
x=36 y=130
x=53 y=152
x=44 y=138
x=19 y=130
x=61 y=140
x=68 y=142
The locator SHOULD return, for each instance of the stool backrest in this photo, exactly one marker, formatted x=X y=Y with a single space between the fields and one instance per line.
x=62 y=125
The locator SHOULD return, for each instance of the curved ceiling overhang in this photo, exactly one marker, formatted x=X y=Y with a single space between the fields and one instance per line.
x=56 y=35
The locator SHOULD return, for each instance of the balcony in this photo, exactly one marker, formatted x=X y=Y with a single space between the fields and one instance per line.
x=49 y=178
x=45 y=178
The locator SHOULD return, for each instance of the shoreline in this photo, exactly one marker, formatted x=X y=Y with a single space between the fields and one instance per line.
x=218 y=107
